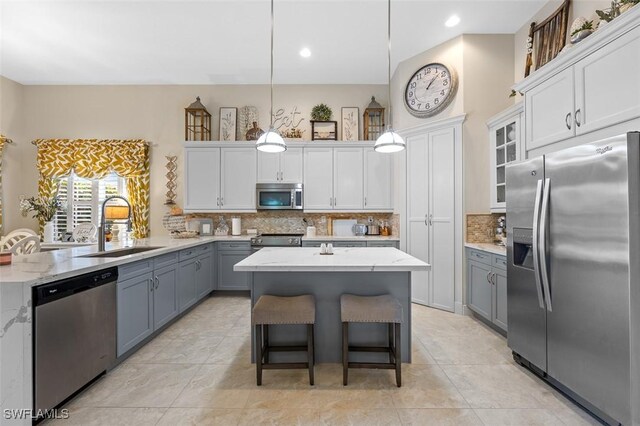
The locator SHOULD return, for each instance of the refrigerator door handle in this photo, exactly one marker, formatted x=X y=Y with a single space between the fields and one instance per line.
x=536 y=252
x=543 y=244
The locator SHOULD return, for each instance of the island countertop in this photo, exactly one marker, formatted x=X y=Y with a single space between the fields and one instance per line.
x=309 y=259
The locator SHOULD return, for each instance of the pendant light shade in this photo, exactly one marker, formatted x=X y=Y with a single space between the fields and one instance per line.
x=389 y=141
x=271 y=141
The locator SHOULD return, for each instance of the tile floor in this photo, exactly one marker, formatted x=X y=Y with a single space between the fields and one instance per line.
x=198 y=372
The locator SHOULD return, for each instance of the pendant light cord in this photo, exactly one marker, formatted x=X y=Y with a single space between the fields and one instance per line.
x=271 y=81
x=389 y=59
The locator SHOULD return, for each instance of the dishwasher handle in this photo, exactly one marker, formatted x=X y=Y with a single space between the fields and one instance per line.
x=51 y=292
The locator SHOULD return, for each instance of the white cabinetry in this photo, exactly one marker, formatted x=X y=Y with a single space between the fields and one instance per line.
x=433 y=210
x=348 y=178
x=592 y=87
x=318 y=178
x=377 y=180
x=505 y=147
x=219 y=179
x=283 y=167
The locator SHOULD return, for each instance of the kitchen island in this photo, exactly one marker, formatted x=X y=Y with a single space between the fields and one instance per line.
x=364 y=271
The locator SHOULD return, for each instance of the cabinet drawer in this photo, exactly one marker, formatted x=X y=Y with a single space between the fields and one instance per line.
x=165 y=260
x=134 y=269
x=194 y=251
x=313 y=243
x=234 y=245
x=349 y=243
x=382 y=244
x=479 y=256
x=499 y=262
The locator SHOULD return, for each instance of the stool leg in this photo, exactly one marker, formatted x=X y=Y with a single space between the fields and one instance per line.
x=310 y=352
x=266 y=343
x=345 y=353
x=398 y=352
x=390 y=326
x=258 y=353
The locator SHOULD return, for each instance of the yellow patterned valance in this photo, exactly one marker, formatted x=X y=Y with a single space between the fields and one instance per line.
x=94 y=159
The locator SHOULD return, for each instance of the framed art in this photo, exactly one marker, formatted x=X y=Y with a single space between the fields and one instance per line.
x=324 y=130
x=350 y=123
x=228 y=123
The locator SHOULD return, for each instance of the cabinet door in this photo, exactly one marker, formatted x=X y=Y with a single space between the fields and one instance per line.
x=348 y=176
x=204 y=276
x=549 y=111
x=202 y=179
x=291 y=165
x=228 y=279
x=318 y=178
x=480 y=294
x=238 y=178
x=505 y=149
x=378 y=180
x=186 y=284
x=500 y=298
x=134 y=311
x=607 y=84
x=165 y=297
x=268 y=167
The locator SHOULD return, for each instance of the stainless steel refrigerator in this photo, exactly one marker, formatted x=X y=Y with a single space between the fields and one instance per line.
x=573 y=253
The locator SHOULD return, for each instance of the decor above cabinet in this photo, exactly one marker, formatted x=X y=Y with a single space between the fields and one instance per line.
x=197 y=122
x=430 y=90
x=592 y=86
x=373 y=120
x=505 y=141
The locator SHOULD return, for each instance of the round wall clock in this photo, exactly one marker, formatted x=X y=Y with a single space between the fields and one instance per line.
x=430 y=90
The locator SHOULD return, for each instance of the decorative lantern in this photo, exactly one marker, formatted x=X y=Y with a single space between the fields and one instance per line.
x=373 y=120
x=197 y=122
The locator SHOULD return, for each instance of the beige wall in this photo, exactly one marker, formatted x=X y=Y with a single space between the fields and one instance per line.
x=488 y=73
x=584 y=8
x=13 y=173
x=154 y=113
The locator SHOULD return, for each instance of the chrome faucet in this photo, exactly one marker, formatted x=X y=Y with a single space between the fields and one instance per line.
x=103 y=221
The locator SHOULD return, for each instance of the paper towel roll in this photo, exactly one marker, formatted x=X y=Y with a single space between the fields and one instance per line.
x=236 y=226
x=311 y=231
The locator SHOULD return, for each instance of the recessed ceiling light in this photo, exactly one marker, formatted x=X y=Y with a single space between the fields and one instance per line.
x=452 y=21
x=305 y=53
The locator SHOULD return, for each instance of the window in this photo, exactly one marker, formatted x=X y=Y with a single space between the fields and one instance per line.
x=83 y=199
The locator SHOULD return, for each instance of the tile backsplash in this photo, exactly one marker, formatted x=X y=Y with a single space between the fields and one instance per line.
x=481 y=228
x=291 y=221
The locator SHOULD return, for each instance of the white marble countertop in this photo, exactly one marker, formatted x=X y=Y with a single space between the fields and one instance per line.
x=351 y=238
x=488 y=247
x=309 y=259
x=40 y=268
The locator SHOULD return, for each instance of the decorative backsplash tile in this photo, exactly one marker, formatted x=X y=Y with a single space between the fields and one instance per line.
x=291 y=221
x=481 y=228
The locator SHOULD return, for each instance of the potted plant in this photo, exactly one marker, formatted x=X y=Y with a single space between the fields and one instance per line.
x=321 y=126
x=321 y=112
x=44 y=209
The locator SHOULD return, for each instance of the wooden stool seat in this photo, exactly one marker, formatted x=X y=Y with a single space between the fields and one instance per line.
x=383 y=309
x=279 y=310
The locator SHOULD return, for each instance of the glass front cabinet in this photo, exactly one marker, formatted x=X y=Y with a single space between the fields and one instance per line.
x=505 y=137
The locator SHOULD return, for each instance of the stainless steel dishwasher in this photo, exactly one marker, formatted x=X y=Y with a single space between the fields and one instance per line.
x=74 y=334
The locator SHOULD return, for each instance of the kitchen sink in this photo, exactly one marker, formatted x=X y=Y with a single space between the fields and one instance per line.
x=121 y=252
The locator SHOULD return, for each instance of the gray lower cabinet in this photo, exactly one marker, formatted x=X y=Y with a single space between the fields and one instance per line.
x=487 y=286
x=204 y=276
x=228 y=255
x=165 y=305
x=187 y=294
x=134 y=311
x=394 y=244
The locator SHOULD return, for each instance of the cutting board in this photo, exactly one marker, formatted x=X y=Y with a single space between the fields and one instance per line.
x=343 y=227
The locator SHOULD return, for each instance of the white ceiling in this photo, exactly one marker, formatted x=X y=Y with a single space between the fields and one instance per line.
x=227 y=41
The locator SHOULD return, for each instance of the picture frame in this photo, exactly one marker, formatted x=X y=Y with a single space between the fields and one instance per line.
x=324 y=130
x=228 y=123
x=350 y=121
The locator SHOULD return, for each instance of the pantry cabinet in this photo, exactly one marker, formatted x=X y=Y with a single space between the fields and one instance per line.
x=591 y=87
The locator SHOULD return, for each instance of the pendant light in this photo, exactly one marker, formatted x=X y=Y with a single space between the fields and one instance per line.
x=271 y=141
x=389 y=141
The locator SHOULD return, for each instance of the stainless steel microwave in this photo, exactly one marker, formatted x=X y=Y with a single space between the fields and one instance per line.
x=279 y=196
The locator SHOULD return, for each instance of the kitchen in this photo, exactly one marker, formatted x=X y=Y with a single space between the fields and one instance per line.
x=214 y=221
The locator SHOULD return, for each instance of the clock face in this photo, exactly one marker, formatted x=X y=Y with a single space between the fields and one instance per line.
x=430 y=90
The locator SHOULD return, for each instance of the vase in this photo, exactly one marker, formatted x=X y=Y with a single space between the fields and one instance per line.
x=48 y=232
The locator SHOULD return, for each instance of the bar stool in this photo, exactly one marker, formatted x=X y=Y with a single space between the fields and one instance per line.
x=383 y=309
x=274 y=310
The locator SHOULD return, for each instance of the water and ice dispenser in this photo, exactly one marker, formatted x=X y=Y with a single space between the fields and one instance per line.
x=523 y=247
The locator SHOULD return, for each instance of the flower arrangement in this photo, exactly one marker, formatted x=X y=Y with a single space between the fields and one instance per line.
x=321 y=112
x=43 y=208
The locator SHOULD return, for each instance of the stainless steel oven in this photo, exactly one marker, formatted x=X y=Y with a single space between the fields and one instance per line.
x=279 y=196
